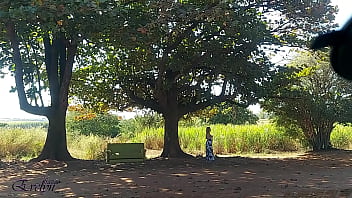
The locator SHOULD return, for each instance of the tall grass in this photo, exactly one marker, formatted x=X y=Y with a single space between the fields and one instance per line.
x=228 y=139
x=18 y=143
x=87 y=147
x=341 y=137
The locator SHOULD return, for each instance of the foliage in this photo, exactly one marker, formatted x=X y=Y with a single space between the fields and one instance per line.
x=81 y=121
x=228 y=114
x=172 y=56
x=137 y=124
x=39 y=42
x=150 y=119
x=189 y=48
x=222 y=113
x=312 y=97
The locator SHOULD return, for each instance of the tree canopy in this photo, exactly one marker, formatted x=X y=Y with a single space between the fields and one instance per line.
x=312 y=97
x=177 y=57
x=39 y=42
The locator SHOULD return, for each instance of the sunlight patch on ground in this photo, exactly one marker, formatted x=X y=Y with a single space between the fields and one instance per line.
x=280 y=155
x=3 y=187
x=271 y=156
x=127 y=180
x=180 y=174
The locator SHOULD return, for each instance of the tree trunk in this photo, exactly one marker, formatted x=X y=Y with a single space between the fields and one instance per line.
x=57 y=51
x=171 y=140
x=55 y=146
x=322 y=138
x=317 y=142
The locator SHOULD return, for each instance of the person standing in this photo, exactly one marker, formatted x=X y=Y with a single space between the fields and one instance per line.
x=209 y=155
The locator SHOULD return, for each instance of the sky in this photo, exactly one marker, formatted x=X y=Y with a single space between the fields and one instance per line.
x=9 y=105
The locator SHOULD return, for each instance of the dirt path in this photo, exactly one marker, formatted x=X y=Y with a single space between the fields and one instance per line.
x=326 y=174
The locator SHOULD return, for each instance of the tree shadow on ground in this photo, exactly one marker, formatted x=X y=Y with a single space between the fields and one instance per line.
x=310 y=175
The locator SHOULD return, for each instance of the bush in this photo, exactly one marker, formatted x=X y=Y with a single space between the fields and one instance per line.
x=150 y=120
x=129 y=127
x=93 y=124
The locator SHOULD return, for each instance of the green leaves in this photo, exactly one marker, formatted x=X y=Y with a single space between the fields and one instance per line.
x=190 y=48
x=312 y=97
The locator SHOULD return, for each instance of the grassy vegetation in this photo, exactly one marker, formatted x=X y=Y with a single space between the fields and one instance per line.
x=227 y=139
x=341 y=137
x=24 y=124
x=24 y=143
x=17 y=143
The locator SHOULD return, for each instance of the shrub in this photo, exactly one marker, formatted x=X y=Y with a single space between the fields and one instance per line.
x=150 y=120
x=95 y=124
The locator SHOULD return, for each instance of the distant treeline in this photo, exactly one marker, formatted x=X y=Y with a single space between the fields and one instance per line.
x=24 y=124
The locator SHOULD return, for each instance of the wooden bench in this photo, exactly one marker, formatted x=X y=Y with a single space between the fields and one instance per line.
x=125 y=152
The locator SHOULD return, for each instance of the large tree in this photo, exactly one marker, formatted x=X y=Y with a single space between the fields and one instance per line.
x=311 y=97
x=177 y=57
x=39 y=43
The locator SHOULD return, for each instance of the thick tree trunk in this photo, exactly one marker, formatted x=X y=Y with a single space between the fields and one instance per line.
x=317 y=142
x=55 y=146
x=171 y=139
x=321 y=140
x=58 y=50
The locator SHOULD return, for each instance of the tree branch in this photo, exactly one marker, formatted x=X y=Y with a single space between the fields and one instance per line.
x=146 y=103
x=62 y=56
x=32 y=96
x=67 y=72
x=195 y=107
x=24 y=105
x=38 y=76
x=51 y=62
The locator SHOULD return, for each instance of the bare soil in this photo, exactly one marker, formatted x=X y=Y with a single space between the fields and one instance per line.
x=326 y=174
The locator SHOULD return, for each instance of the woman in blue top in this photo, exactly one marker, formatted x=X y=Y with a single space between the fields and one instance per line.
x=209 y=155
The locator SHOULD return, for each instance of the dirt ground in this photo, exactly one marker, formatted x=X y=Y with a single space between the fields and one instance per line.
x=326 y=174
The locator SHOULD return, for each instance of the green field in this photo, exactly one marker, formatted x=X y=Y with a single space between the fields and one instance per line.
x=25 y=143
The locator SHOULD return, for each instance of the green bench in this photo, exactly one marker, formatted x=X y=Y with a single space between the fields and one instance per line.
x=125 y=152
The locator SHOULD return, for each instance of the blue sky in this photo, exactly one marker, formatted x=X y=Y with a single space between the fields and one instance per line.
x=9 y=106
